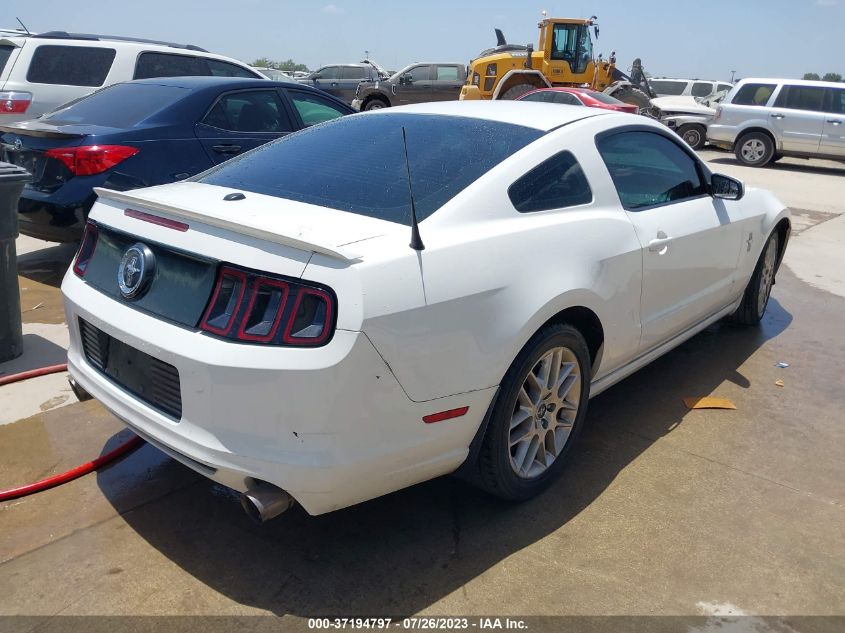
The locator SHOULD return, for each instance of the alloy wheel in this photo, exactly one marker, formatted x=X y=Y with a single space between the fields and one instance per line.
x=545 y=412
x=753 y=150
x=767 y=277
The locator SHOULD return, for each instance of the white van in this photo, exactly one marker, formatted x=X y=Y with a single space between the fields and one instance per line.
x=39 y=72
x=687 y=87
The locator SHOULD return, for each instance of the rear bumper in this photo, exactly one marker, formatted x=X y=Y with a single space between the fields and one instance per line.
x=331 y=425
x=721 y=136
x=47 y=220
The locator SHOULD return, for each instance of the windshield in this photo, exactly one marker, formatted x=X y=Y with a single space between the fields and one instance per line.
x=120 y=105
x=357 y=163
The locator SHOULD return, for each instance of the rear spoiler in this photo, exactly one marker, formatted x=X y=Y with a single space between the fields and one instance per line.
x=230 y=225
x=36 y=128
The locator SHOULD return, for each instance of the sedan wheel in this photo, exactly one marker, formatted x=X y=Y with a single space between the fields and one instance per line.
x=693 y=135
x=767 y=276
x=759 y=289
x=538 y=414
x=544 y=413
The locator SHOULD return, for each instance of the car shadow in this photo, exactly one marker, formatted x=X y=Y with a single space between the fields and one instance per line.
x=48 y=265
x=401 y=553
x=791 y=167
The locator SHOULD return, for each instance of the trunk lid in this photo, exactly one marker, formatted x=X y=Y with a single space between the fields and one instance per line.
x=26 y=144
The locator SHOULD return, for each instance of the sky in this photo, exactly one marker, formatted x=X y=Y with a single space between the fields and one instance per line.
x=704 y=39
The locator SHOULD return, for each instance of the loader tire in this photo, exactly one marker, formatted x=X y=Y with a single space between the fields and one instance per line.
x=633 y=96
x=515 y=92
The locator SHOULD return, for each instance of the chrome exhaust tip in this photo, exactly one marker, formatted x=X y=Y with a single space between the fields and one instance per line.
x=265 y=501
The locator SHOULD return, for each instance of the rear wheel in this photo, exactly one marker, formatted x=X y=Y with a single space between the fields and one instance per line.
x=538 y=414
x=515 y=92
x=694 y=135
x=755 y=149
x=759 y=289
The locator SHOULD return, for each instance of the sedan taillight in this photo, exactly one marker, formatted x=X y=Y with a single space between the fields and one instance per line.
x=86 y=249
x=88 y=160
x=257 y=308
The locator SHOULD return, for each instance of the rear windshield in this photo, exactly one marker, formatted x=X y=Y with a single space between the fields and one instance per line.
x=668 y=88
x=120 y=105
x=5 y=52
x=600 y=96
x=357 y=163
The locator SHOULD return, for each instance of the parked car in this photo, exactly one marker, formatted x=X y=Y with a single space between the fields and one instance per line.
x=273 y=73
x=41 y=72
x=762 y=120
x=579 y=97
x=143 y=133
x=315 y=355
x=341 y=80
x=688 y=116
x=663 y=87
x=417 y=83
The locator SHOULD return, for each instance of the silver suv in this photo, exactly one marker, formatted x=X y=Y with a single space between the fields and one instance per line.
x=762 y=120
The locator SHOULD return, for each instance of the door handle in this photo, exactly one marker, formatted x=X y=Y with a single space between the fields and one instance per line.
x=834 y=122
x=227 y=149
x=661 y=244
x=778 y=116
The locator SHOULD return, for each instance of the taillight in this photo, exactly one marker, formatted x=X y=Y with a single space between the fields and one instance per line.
x=257 y=308
x=88 y=160
x=718 y=113
x=14 y=102
x=86 y=249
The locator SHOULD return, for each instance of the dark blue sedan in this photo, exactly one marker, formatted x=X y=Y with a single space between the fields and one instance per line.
x=144 y=133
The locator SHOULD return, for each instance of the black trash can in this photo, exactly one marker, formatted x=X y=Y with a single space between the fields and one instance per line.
x=12 y=180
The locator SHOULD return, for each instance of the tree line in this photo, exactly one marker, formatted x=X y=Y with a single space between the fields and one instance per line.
x=289 y=65
x=825 y=77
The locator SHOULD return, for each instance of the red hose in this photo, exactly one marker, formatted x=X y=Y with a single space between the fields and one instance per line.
x=84 y=469
x=73 y=473
x=33 y=373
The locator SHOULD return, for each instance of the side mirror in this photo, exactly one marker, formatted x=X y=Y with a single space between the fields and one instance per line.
x=407 y=79
x=315 y=77
x=726 y=188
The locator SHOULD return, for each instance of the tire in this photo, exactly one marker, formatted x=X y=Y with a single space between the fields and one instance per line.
x=506 y=468
x=755 y=149
x=759 y=289
x=694 y=134
x=632 y=95
x=515 y=92
x=375 y=104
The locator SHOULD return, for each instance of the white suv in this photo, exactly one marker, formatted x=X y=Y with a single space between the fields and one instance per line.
x=762 y=120
x=688 y=87
x=40 y=72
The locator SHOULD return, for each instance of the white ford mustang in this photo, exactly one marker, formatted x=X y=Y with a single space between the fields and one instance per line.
x=393 y=296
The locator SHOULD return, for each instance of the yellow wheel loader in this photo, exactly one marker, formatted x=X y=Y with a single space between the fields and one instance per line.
x=564 y=57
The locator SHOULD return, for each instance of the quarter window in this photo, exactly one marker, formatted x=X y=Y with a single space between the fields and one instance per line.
x=314 y=109
x=753 y=94
x=808 y=98
x=258 y=111
x=70 y=65
x=648 y=169
x=555 y=183
x=225 y=69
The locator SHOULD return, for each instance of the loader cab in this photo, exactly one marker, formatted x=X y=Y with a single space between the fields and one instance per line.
x=567 y=51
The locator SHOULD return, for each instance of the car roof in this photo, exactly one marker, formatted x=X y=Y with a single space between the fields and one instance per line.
x=793 y=82
x=204 y=81
x=541 y=116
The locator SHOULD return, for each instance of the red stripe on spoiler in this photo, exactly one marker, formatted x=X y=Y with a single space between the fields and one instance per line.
x=155 y=219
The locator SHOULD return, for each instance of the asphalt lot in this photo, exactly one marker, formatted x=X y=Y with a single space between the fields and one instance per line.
x=662 y=510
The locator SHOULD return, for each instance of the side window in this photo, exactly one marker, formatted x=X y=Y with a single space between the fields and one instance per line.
x=667 y=88
x=151 y=64
x=314 y=109
x=70 y=65
x=801 y=98
x=447 y=73
x=648 y=169
x=419 y=73
x=555 y=183
x=724 y=87
x=256 y=111
x=702 y=88
x=837 y=100
x=753 y=94
x=353 y=72
x=565 y=98
x=329 y=72
x=225 y=69
x=564 y=42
